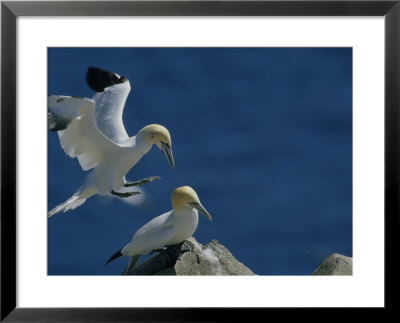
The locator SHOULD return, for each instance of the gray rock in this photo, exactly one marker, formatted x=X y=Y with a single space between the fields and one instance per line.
x=195 y=259
x=192 y=258
x=335 y=264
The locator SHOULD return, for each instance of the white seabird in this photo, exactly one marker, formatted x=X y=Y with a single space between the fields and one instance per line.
x=92 y=130
x=167 y=229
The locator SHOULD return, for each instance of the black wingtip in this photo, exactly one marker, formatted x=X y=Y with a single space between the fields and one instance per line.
x=114 y=256
x=98 y=79
x=56 y=123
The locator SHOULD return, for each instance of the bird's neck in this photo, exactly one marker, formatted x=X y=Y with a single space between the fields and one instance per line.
x=143 y=144
x=185 y=212
x=186 y=220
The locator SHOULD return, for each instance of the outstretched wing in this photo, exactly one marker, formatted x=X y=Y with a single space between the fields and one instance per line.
x=74 y=119
x=112 y=92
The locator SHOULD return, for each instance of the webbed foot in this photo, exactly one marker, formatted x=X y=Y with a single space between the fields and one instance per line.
x=123 y=194
x=142 y=181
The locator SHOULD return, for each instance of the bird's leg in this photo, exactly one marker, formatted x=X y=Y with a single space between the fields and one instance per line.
x=164 y=252
x=124 y=194
x=179 y=249
x=172 y=253
x=142 y=181
x=186 y=246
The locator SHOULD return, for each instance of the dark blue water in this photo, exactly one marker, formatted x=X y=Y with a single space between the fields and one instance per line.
x=264 y=136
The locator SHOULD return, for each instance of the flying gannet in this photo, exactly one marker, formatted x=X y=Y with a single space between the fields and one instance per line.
x=165 y=230
x=92 y=130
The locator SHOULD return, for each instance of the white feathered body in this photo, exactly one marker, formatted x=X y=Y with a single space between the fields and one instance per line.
x=167 y=229
x=96 y=136
x=92 y=131
x=110 y=174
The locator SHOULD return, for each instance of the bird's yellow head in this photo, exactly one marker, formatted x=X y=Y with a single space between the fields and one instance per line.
x=160 y=136
x=186 y=197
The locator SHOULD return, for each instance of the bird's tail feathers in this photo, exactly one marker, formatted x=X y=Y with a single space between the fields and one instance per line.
x=73 y=202
x=114 y=256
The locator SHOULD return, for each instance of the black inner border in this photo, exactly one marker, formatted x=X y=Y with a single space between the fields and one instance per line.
x=10 y=10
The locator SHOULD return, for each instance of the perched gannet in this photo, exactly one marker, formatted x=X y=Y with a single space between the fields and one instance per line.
x=167 y=229
x=92 y=130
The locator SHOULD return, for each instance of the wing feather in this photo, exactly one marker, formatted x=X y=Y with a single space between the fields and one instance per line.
x=109 y=109
x=153 y=235
x=112 y=90
x=81 y=138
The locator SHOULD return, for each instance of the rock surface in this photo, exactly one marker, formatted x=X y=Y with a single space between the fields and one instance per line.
x=335 y=264
x=195 y=259
x=192 y=258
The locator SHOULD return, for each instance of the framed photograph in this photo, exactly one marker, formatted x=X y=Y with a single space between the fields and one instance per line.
x=282 y=117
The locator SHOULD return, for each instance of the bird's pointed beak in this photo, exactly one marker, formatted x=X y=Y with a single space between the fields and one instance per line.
x=166 y=149
x=202 y=209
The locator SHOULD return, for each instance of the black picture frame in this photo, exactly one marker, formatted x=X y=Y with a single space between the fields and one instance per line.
x=10 y=10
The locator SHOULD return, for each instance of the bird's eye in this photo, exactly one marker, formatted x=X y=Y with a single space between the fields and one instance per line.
x=193 y=203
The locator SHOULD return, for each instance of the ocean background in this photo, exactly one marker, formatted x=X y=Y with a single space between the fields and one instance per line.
x=264 y=136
